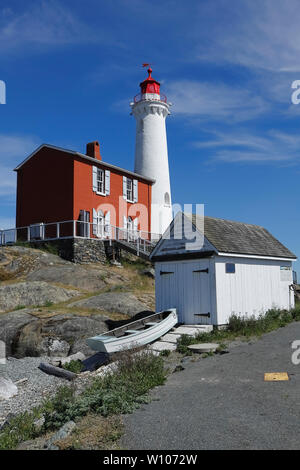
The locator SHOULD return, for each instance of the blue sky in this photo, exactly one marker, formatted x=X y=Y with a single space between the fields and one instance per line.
x=72 y=67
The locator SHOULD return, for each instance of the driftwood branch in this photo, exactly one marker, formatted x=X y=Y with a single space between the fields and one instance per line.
x=58 y=372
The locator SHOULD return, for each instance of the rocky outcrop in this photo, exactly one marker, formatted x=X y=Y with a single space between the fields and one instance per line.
x=11 y=325
x=120 y=302
x=87 y=279
x=32 y=293
x=62 y=433
x=58 y=336
x=37 y=326
x=19 y=260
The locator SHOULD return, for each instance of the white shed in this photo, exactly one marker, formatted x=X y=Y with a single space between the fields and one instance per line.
x=230 y=268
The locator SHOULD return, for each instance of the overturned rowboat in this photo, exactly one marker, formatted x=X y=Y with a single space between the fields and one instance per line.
x=135 y=334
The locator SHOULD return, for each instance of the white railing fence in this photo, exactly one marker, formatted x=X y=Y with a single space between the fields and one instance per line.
x=140 y=240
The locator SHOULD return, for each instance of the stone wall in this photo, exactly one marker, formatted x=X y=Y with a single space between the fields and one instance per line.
x=77 y=250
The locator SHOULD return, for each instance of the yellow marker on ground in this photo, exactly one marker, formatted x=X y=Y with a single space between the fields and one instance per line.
x=276 y=376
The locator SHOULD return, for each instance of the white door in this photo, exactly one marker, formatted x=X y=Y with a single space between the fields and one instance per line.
x=100 y=224
x=165 y=287
x=197 y=293
x=186 y=287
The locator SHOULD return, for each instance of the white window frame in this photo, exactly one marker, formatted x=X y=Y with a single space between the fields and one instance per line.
x=129 y=199
x=100 y=182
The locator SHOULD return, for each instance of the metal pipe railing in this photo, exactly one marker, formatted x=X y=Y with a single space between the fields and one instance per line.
x=141 y=240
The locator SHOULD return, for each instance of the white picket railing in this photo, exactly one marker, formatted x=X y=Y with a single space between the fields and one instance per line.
x=140 y=240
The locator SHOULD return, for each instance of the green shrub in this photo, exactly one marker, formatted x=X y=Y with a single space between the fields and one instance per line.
x=242 y=326
x=165 y=353
x=75 y=366
x=21 y=428
x=182 y=344
x=119 y=392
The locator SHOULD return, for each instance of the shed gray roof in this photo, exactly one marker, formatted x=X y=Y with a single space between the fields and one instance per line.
x=237 y=237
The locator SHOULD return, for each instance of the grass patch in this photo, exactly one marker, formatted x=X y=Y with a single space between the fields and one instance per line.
x=242 y=327
x=51 y=248
x=119 y=392
x=74 y=366
x=21 y=428
x=94 y=432
x=137 y=264
x=5 y=276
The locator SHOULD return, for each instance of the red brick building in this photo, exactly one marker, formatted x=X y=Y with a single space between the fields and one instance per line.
x=59 y=185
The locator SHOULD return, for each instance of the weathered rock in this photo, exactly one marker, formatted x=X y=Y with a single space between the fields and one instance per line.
x=57 y=361
x=3 y=257
x=33 y=444
x=7 y=389
x=150 y=272
x=32 y=293
x=76 y=276
x=11 y=325
x=54 y=347
x=62 y=433
x=121 y=302
x=42 y=257
x=40 y=337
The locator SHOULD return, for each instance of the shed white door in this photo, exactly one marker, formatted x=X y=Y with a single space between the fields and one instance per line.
x=197 y=293
x=185 y=286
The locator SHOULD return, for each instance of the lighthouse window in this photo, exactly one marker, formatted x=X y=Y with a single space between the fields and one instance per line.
x=167 y=199
x=129 y=189
x=100 y=181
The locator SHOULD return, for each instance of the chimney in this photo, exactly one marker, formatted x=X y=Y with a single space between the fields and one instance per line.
x=93 y=150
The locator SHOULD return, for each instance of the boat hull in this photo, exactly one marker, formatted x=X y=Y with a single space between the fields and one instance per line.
x=111 y=344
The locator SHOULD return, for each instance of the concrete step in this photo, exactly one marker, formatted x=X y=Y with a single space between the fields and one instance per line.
x=170 y=338
x=163 y=346
x=192 y=330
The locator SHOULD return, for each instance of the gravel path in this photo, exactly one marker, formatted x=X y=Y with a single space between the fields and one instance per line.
x=30 y=392
x=222 y=402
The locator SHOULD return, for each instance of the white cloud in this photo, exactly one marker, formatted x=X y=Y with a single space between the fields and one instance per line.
x=258 y=33
x=214 y=101
x=44 y=23
x=12 y=147
x=13 y=150
x=240 y=146
x=7 y=222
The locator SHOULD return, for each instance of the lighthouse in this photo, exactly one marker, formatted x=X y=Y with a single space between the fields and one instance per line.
x=150 y=109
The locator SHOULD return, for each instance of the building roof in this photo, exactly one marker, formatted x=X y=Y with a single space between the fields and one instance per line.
x=86 y=157
x=240 y=238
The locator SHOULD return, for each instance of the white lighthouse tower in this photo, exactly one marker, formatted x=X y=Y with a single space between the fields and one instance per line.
x=150 y=109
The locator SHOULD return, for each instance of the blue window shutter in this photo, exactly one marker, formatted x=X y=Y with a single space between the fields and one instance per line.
x=94 y=178
x=135 y=190
x=107 y=182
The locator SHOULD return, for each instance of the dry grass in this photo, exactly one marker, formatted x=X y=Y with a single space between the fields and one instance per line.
x=5 y=276
x=94 y=432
